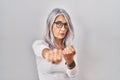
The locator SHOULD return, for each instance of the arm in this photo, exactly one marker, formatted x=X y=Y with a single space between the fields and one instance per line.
x=42 y=50
x=73 y=72
x=72 y=69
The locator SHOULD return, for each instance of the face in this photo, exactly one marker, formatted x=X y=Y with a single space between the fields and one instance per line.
x=60 y=27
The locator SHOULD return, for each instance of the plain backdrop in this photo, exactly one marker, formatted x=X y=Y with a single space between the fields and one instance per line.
x=97 y=36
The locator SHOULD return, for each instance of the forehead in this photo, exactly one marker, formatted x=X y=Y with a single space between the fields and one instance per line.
x=60 y=18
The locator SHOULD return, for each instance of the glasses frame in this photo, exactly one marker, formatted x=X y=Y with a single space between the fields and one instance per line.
x=59 y=24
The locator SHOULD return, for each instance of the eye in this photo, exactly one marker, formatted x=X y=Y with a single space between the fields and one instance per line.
x=66 y=24
x=59 y=23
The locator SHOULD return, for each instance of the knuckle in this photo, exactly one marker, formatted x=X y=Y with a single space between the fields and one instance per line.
x=59 y=59
x=65 y=54
x=48 y=59
x=59 y=50
x=50 y=51
x=55 y=50
x=54 y=60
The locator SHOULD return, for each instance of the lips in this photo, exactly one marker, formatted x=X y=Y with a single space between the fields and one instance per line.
x=62 y=33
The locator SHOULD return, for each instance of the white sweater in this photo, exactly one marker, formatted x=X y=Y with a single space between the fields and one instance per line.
x=49 y=71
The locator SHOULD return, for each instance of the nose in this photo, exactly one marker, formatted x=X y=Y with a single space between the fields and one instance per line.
x=63 y=28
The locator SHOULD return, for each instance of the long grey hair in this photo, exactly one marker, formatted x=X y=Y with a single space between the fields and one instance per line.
x=49 y=38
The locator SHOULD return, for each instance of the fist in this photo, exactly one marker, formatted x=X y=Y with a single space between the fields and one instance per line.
x=68 y=54
x=54 y=56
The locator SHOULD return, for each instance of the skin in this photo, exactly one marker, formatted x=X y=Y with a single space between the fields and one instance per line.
x=64 y=52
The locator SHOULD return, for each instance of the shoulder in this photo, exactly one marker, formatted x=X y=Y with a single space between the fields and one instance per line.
x=40 y=43
x=38 y=47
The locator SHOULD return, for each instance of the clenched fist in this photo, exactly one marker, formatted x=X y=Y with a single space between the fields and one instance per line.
x=68 y=54
x=53 y=55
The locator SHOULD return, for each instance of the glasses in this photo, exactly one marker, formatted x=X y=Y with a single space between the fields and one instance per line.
x=59 y=24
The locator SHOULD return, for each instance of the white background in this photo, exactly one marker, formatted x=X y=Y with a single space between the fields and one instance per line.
x=97 y=31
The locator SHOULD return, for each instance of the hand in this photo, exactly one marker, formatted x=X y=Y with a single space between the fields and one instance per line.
x=68 y=54
x=53 y=55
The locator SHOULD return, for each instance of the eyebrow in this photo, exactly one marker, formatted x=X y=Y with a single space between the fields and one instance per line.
x=60 y=22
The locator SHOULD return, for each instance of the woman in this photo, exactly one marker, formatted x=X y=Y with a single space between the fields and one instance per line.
x=55 y=54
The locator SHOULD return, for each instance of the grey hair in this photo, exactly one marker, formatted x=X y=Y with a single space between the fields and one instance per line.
x=49 y=38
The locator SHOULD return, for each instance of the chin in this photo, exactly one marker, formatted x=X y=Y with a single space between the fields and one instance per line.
x=62 y=37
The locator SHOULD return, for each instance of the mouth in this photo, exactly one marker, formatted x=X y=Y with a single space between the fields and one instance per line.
x=62 y=33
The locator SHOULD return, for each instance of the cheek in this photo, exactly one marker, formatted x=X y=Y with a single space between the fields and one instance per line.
x=54 y=31
x=66 y=31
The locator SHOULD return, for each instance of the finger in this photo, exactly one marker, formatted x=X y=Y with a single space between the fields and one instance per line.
x=54 y=57
x=74 y=51
x=65 y=51
x=58 y=58
x=72 y=47
x=51 y=56
x=47 y=56
x=60 y=51
x=69 y=51
x=55 y=50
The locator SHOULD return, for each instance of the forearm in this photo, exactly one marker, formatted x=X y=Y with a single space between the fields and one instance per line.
x=72 y=70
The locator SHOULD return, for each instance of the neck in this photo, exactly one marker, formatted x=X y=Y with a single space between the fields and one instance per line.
x=58 y=41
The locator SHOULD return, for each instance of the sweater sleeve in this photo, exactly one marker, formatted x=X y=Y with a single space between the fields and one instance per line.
x=38 y=47
x=73 y=73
